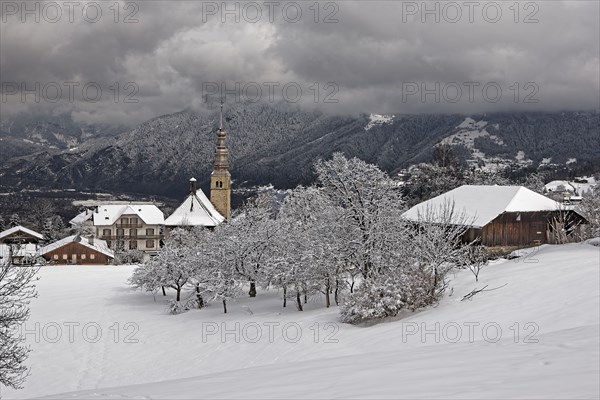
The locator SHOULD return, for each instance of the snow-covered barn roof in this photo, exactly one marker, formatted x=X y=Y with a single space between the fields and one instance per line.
x=108 y=214
x=20 y=228
x=98 y=245
x=196 y=210
x=82 y=217
x=478 y=205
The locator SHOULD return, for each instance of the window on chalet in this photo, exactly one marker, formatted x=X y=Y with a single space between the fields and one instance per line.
x=133 y=221
x=106 y=232
x=150 y=232
x=92 y=256
x=124 y=221
x=55 y=257
x=149 y=244
x=133 y=245
x=120 y=232
x=65 y=256
x=83 y=256
x=133 y=232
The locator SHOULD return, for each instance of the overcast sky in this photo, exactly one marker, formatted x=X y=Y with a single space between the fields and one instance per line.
x=374 y=57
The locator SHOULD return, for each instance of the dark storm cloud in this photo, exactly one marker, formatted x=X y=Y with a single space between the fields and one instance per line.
x=376 y=55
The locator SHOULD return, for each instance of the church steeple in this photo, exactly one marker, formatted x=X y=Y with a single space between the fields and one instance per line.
x=220 y=180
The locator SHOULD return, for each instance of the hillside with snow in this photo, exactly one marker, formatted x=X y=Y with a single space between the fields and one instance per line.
x=537 y=335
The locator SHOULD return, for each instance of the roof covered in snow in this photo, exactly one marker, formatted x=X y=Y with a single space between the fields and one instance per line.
x=22 y=229
x=98 y=245
x=478 y=205
x=82 y=217
x=108 y=214
x=196 y=210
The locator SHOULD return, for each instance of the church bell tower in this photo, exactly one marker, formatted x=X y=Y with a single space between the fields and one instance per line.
x=220 y=179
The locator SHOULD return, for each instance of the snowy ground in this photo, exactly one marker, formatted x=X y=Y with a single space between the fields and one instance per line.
x=536 y=337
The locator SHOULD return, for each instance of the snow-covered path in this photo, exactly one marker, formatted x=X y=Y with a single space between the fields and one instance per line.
x=537 y=337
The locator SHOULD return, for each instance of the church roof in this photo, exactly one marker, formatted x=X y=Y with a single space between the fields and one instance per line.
x=478 y=205
x=196 y=210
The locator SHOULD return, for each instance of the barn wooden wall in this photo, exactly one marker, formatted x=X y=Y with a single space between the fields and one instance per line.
x=506 y=230
x=78 y=249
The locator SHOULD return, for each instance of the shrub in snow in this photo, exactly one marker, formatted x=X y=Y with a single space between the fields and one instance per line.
x=129 y=257
x=177 y=307
x=384 y=297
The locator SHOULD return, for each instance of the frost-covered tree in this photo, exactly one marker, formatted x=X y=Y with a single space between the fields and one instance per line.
x=53 y=229
x=14 y=220
x=590 y=208
x=315 y=240
x=247 y=240
x=17 y=288
x=474 y=259
x=173 y=266
x=437 y=243
x=368 y=200
x=485 y=177
x=536 y=182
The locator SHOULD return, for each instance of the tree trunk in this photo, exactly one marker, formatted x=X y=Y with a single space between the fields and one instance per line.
x=199 y=297
x=252 y=292
x=352 y=287
x=178 y=294
x=284 y=296
x=327 y=300
x=299 y=301
x=337 y=288
x=305 y=298
x=163 y=290
x=224 y=306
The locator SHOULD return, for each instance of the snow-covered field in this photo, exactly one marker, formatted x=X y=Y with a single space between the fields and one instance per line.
x=536 y=337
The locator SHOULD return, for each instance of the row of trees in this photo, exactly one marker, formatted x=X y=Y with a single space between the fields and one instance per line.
x=343 y=238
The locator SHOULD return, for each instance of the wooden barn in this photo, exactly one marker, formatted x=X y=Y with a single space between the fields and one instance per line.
x=502 y=216
x=78 y=250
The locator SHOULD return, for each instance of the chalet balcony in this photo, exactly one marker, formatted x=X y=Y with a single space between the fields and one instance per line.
x=129 y=237
x=128 y=226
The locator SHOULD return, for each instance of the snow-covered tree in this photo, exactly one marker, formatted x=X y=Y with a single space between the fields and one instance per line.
x=474 y=259
x=53 y=229
x=17 y=288
x=437 y=244
x=590 y=208
x=247 y=240
x=369 y=200
x=173 y=266
x=536 y=182
x=14 y=220
x=313 y=237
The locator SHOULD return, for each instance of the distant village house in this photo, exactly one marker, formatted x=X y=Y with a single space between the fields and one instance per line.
x=19 y=245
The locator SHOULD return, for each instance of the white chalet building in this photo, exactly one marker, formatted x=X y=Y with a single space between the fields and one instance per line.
x=130 y=226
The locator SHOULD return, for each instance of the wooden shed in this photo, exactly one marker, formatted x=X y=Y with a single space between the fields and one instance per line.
x=78 y=250
x=501 y=216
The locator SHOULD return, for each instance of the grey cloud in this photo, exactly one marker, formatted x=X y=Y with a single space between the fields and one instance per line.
x=371 y=54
